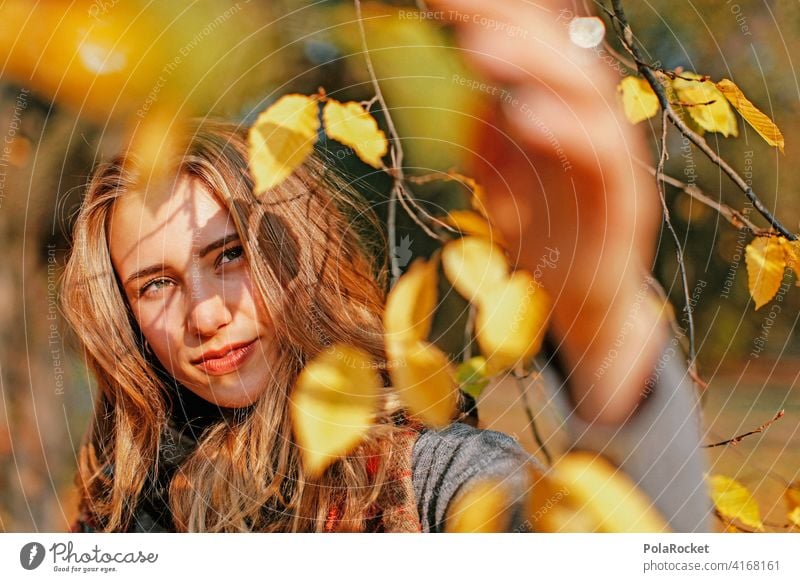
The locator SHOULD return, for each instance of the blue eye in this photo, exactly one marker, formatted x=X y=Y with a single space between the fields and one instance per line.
x=230 y=254
x=152 y=287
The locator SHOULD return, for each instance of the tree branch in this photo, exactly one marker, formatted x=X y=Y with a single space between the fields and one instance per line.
x=626 y=35
x=662 y=158
x=398 y=191
x=737 y=439
x=737 y=219
x=523 y=392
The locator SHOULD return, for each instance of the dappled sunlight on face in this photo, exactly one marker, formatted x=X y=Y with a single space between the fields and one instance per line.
x=185 y=275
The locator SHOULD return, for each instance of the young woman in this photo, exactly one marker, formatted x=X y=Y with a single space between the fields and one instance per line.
x=198 y=304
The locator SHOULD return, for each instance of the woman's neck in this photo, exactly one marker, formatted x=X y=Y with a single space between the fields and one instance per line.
x=193 y=414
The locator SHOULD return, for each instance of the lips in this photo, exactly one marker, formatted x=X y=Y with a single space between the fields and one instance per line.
x=226 y=359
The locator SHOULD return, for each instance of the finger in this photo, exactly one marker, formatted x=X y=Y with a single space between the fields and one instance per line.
x=505 y=10
x=547 y=121
x=516 y=42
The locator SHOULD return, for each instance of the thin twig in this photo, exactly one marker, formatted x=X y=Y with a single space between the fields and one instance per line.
x=391 y=226
x=737 y=439
x=410 y=202
x=607 y=45
x=620 y=58
x=658 y=289
x=678 y=248
x=397 y=150
x=367 y=105
x=737 y=219
x=686 y=104
x=469 y=328
x=398 y=191
x=523 y=391
x=676 y=75
x=626 y=35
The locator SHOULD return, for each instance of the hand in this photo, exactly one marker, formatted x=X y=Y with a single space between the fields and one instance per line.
x=556 y=158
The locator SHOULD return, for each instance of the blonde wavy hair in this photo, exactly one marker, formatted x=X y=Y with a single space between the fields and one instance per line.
x=322 y=284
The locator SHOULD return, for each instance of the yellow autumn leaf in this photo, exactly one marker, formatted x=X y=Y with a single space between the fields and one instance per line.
x=706 y=104
x=511 y=321
x=765 y=127
x=411 y=303
x=638 y=99
x=470 y=222
x=281 y=139
x=333 y=405
x=416 y=66
x=794 y=516
x=734 y=501
x=584 y=492
x=478 y=200
x=152 y=144
x=765 y=257
x=792 y=495
x=473 y=265
x=350 y=124
x=484 y=508
x=424 y=381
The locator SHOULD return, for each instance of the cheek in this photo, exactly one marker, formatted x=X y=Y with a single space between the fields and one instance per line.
x=253 y=303
x=161 y=328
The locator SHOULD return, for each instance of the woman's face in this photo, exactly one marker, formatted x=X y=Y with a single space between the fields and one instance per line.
x=185 y=275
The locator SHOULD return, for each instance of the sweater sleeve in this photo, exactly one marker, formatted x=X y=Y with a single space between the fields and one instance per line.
x=446 y=463
x=658 y=446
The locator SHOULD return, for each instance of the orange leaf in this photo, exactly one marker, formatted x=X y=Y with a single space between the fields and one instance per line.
x=765 y=127
x=765 y=257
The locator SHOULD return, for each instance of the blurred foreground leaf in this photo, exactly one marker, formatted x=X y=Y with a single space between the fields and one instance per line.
x=333 y=404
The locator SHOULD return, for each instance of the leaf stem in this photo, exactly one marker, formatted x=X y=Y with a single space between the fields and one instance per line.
x=523 y=392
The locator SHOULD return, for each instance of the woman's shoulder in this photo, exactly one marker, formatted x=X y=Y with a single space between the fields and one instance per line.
x=446 y=462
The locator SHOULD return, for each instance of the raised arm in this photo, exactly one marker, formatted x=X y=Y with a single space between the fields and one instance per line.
x=556 y=159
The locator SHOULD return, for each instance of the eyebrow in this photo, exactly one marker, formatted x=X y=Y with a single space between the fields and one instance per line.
x=221 y=242
x=153 y=269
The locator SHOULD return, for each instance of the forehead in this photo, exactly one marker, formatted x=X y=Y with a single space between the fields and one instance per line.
x=147 y=227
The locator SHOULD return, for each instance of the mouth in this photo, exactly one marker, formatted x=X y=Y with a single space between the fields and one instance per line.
x=225 y=360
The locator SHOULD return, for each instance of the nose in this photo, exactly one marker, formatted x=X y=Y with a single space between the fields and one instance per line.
x=208 y=313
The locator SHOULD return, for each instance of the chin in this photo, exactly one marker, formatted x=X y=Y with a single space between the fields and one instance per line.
x=233 y=402
x=233 y=397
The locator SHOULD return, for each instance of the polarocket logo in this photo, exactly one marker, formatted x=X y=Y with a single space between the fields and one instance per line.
x=31 y=555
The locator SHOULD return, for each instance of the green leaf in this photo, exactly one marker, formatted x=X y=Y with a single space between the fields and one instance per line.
x=472 y=376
